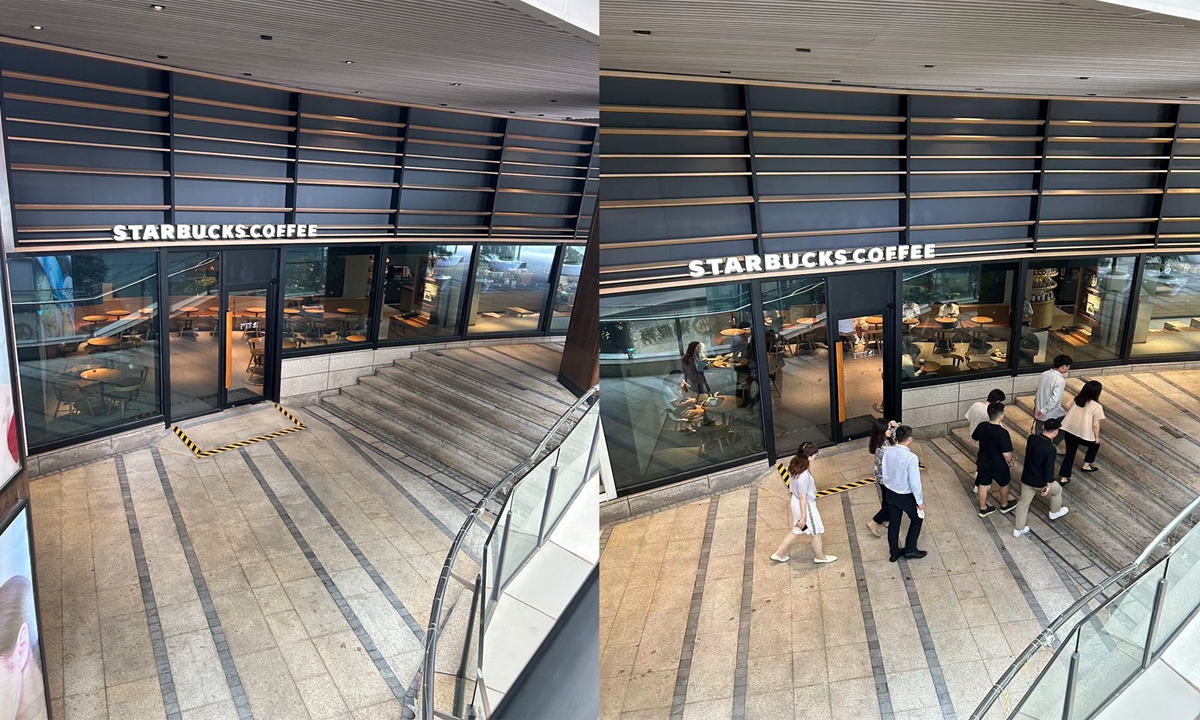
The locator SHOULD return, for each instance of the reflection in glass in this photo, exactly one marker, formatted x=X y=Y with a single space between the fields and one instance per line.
x=511 y=286
x=193 y=288
x=1075 y=307
x=678 y=376
x=1168 y=313
x=327 y=296
x=568 y=284
x=798 y=361
x=247 y=344
x=423 y=290
x=859 y=367
x=86 y=341
x=956 y=319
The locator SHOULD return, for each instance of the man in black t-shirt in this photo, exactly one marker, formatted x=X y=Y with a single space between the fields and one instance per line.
x=993 y=461
x=1038 y=476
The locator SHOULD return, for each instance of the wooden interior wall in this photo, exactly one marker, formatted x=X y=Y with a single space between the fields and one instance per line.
x=695 y=170
x=580 y=366
x=94 y=143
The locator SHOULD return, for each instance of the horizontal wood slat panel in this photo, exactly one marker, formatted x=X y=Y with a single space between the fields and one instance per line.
x=234 y=106
x=29 y=167
x=83 y=104
x=653 y=110
x=678 y=132
x=18 y=75
x=675 y=202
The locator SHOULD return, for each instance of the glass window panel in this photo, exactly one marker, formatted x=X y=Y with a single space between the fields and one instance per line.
x=659 y=421
x=798 y=361
x=423 y=290
x=512 y=283
x=568 y=284
x=1075 y=307
x=86 y=341
x=193 y=289
x=327 y=296
x=956 y=320
x=1168 y=313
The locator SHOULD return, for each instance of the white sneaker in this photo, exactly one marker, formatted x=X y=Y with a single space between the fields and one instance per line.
x=776 y=558
x=1019 y=533
x=1060 y=513
x=826 y=559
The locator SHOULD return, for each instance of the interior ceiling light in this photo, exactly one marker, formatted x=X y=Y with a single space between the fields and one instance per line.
x=553 y=101
x=726 y=72
x=928 y=66
x=441 y=104
x=641 y=32
x=157 y=8
x=36 y=27
x=979 y=88
x=162 y=57
x=267 y=37
x=837 y=81
x=541 y=115
x=348 y=62
x=1084 y=77
x=247 y=74
x=1091 y=94
x=455 y=84
x=804 y=50
x=358 y=92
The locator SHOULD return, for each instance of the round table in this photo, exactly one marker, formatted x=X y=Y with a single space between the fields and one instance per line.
x=118 y=313
x=731 y=332
x=725 y=404
x=290 y=344
x=875 y=320
x=105 y=342
x=930 y=367
x=95 y=320
x=356 y=338
x=947 y=320
x=100 y=375
x=291 y=311
x=981 y=364
x=256 y=311
x=189 y=310
x=983 y=320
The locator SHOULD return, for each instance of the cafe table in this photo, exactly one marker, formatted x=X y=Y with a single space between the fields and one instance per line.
x=100 y=377
x=95 y=320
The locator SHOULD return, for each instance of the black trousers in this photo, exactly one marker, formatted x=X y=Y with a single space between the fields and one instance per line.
x=1073 y=443
x=882 y=516
x=898 y=506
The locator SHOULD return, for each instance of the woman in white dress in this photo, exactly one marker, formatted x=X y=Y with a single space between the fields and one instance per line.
x=805 y=518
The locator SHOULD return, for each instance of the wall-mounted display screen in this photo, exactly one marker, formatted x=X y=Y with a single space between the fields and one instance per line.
x=22 y=685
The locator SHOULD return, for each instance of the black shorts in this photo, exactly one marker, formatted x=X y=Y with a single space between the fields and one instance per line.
x=985 y=476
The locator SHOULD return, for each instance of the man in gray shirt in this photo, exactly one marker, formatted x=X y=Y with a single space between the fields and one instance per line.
x=1048 y=403
x=902 y=491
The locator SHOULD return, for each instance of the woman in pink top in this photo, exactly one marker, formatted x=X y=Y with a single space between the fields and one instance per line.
x=1082 y=427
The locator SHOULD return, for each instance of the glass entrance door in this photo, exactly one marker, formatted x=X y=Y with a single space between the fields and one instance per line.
x=858 y=366
x=222 y=337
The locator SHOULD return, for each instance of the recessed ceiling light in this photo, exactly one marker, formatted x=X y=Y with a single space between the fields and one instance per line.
x=1091 y=94
x=512 y=112
x=36 y=27
x=979 y=88
x=358 y=92
x=157 y=8
x=247 y=74
x=267 y=37
x=541 y=115
x=804 y=50
x=553 y=101
x=726 y=72
x=455 y=84
x=1084 y=77
x=441 y=104
x=930 y=66
x=641 y=32
x=348 y=62
x=162 y=57
x=835 y=81
x=1183 y=97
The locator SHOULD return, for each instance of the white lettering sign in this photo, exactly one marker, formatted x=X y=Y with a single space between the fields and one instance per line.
x=211 y=232
x=775 y=262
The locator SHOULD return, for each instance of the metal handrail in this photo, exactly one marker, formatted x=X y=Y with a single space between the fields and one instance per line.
x=1044 y=637
x=439 y=595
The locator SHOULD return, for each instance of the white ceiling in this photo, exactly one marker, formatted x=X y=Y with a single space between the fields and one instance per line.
x=1018 y=46
x=405 y=51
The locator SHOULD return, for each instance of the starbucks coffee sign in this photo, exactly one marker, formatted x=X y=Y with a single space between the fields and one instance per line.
x=779 y=262
x=212 y=232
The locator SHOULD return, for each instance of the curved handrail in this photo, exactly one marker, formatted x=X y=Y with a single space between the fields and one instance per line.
x=439 y=595
x=1043 y=638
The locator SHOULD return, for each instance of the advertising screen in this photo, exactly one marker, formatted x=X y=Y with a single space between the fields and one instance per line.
x=22 y=685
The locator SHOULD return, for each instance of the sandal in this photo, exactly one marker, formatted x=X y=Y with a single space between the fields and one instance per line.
x=1064 y=481
x=1091 y=469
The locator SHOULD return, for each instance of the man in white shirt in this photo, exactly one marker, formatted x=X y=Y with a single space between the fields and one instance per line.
x=1048 y=402
x=949 y=309
x=911 y=310
x=977 y=414
x=902 y=491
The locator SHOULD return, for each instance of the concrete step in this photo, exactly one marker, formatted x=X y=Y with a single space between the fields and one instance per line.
x=448 y=434
x=547 y=356
x=467 y=470
x=487 y=371
x=448 y=388
x=464 y=420
x=1090 y=520
x=1139 y=402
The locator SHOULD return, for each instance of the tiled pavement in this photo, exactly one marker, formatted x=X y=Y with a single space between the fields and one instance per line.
x=860 y=638
x=288 y=580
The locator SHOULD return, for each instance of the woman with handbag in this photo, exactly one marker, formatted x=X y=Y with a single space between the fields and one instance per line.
x=694 y=365
x=805 y=518
x=881 y=440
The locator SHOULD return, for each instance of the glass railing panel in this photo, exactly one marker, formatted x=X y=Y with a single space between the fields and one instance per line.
x=1182 y=592
x=524 y=513
x=1111 y=643
x=573 y=459
x=1047 y=694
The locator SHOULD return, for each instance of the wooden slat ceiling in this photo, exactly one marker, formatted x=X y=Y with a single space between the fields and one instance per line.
x=1001 y=46
x=409 y=52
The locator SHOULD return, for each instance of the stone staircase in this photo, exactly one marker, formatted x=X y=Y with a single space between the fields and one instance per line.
x=470 y=413
x=1145 y=473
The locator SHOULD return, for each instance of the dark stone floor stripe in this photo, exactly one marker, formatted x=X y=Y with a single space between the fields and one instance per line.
x=166 y=682
x=364 y=637
x=604 y=535
x=366 y=565
x=232 y=678
x=1017 y=575
x=743 y=646
x=1181 y=388
x=931 y=658
x=882 y=694
x=689 y=635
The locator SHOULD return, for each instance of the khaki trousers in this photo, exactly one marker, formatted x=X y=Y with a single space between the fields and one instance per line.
x=1027 y=493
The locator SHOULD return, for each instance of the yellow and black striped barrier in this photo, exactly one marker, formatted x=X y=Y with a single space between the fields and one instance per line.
x=298 y=426
x=843 y=488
